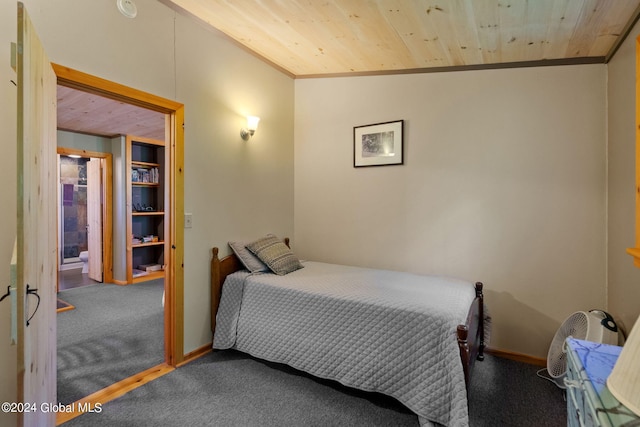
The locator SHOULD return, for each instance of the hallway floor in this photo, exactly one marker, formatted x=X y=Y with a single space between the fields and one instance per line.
x=74 y=278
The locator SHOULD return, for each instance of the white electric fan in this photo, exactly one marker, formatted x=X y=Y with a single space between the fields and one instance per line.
x=595 y=325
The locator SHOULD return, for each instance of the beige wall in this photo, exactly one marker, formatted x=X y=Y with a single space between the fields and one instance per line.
x=227 y=181
x=623 y=277
x=233 y=188
x=504 y=183
x=81 y=141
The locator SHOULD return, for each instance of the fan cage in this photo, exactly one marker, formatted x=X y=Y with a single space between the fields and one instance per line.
x=576 y=326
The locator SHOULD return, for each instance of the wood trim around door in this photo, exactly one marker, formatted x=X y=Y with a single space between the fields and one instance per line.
x=174 y=284
x=107 y=207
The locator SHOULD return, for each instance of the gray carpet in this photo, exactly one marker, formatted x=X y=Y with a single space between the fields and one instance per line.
x=509 y=393
x=113 y=332
x=228 y=388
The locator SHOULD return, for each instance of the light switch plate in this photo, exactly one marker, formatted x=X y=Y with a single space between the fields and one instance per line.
x=188 y=220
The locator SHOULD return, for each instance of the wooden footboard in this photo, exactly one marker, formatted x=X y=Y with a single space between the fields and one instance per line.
x=470 y=335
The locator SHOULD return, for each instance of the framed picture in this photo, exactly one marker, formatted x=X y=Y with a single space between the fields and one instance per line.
x=380 y=144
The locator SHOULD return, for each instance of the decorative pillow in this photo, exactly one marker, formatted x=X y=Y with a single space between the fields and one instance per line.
x=273 y=252
x=247 y=258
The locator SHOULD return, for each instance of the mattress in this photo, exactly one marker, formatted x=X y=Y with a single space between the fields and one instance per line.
x=374 y=330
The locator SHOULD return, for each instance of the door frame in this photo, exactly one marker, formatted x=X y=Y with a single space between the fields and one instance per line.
x=107 y=206
x=174 y=137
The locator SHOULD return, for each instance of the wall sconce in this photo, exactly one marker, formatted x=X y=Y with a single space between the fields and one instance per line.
x=252 y=125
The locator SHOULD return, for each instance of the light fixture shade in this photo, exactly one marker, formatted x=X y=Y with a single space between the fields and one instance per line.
x=252 y=122
x=252 y=125
x=624 y=381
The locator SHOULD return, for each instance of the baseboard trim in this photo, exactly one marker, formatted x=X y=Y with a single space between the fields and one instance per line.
x=195 y=354
x=112 y=392
x=69 y=307
x=518 y=357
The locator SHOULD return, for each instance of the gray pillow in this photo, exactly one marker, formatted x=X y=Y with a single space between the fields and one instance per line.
x=248 y=259
x=273 y=252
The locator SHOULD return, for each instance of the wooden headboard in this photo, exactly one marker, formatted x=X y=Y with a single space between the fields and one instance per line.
x=220 y=269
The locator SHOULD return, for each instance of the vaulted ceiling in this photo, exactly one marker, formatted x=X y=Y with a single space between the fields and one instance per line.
x=328 y=37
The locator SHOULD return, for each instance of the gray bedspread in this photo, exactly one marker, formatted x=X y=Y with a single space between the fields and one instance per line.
x=374 y=330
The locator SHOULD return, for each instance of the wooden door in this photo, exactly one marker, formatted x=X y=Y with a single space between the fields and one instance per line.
x=94 y=218
x=37 y=218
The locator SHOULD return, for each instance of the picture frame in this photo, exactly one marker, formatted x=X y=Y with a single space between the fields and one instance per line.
x=379 y=144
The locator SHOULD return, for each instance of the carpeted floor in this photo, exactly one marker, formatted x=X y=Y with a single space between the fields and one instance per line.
x=229 y=389
x=113 y=332
x=509 y=393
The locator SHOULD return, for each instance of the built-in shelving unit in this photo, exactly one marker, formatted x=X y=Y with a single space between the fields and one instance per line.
x=146 y=217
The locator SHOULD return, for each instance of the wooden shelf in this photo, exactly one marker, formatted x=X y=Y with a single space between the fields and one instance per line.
x=146 y=163
x=147 y=213
x=146 y=184
x=151 y=276
x=143 y=245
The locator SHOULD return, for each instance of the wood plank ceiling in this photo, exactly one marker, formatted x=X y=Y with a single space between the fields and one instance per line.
x=308 y=38
x=91 y=114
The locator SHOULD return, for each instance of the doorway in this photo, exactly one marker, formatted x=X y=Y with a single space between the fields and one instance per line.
x=72 y=214
x=173 y=135
x=85 y=254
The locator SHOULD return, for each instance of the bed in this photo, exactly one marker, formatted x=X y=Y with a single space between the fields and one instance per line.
x=411 y=337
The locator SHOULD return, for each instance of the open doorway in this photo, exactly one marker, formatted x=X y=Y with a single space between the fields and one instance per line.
x=72 y=215
x=81 y=86
x=84 y=217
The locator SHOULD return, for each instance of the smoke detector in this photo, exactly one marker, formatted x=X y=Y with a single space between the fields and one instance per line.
x=127 y=8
